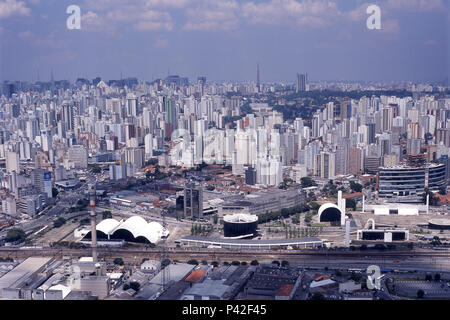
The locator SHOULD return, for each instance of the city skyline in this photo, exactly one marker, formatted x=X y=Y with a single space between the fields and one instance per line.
x=225 y=40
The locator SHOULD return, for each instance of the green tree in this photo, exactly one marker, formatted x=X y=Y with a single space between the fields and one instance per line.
x=437 y=277
x=96 y=168
x=356 y=187
x=420 y=294
x=254 y=263
x=314 y=206
x=135 y=285
x=443 y=191
x=118 y=261
x=350 y=204
x=106 y=215
x=59 y=222
x=193 y=262
x=152 y=162
x=14 y=235
x=308 y=182
x=215 y=219
x=55 y=192
x=317 y=296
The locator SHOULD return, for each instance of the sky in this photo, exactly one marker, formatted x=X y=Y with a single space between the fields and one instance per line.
x=225 y=39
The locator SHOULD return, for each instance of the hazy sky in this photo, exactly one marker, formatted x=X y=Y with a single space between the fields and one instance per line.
x=224 y=39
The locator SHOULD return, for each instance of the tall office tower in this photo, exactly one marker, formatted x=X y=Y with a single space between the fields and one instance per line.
x=258 y=83
x=68 y=116
x=299 y=125
x=135 y=156
x=201 y=82
x=302 y=82
x=250 y=176
x=32 y=128
x=12 y=182
x=324 y=165
x=12 y=162
x=388 y=116
x=131 y=105
x=443 y=137
x=346 y=109
x=330 y=112
x=413 y=131
x=48 y=185
x=316 y=124
x=370 y=133
x=130 y=131
x=37 y=180
x=171 y=118
x=118 y=170
x=413 y=146
x=148 y=146
x=342 y=156
x=193 y=200
x=92 y=215
x=355 y=161
x=78 y=154
x=268 y=171
x=229 y=146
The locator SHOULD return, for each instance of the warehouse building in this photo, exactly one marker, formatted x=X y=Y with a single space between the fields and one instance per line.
x=20 y=282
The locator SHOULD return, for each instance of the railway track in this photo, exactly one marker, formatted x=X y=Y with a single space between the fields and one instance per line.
x=216 y=254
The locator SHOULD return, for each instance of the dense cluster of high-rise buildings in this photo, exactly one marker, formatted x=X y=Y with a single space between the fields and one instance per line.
x=50 y=132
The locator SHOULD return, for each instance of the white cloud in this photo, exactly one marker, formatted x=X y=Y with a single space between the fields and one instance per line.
x=137 y=13
x=92 y=22
x=10 y=8
x=213 y=15
x=227 y=15
x=416 y=5
x=310 y=13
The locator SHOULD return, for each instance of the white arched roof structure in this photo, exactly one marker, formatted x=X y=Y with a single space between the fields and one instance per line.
x=327 y=206
x=157 y=228
x=138 y=227
x=107 y=226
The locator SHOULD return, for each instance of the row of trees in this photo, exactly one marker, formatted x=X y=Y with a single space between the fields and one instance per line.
x=284 y=213
x=292 y=233
x=199 y=229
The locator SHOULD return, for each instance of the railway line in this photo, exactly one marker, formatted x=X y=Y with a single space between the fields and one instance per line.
x=195 y=253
